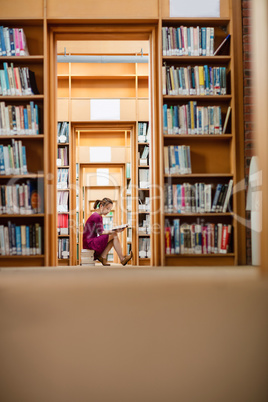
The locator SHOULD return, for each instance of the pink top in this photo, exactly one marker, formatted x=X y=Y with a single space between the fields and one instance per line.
x=93 y=238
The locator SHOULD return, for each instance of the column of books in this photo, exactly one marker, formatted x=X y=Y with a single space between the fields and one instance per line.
x=63 y=193
x=198 y=142
x=21 y=144
x=129 y=206
x=144 y=205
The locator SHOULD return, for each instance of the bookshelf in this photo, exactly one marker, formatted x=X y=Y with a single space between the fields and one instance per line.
x=192 y=232
x=129 y=211
x=23 y=132
x=64 y=162
x=215 y=159
x=108 y=224
x=144 y=201
x=78 y=84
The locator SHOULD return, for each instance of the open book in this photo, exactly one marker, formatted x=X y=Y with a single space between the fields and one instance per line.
x=118 y=227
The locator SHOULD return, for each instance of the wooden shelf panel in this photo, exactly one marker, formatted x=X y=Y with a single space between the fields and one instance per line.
x=22 y=216
x=200 y=175
x=21 y=261
x=23 y=176
x=187 y=21
x=21 y=97
x=64 y=262
x=24 y=257
x=216 y=260
x=207 y=214
x=22 y=137
x=198 y=136
x=199 y=255
x=22 y=59
x=200 y=59
x=103 y=77
x=99 y=88
x=103 y=187
x=144 y=261
x=220 y=98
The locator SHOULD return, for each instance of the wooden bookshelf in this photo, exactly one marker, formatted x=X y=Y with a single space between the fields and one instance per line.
x=213 y=157
x=83 y=81
x=144 y=194
x=34 y=144
x=64 y=240
x=78 y=83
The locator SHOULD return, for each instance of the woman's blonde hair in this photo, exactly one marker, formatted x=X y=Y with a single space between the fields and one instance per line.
x=103 y=202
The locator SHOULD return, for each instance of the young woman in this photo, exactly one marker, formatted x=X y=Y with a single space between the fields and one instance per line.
x=95 y=238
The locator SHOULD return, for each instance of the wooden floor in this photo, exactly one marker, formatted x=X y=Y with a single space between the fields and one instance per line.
x=133 y=334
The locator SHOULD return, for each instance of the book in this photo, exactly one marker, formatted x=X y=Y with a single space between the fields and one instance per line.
x=119 y=227
x=223 y=48
x=23 y=44
x=216 y=197
x=167 y=238
x=224 y=239
x=35 y=195
x=221 y=197
x=228 y=195
x=226 y=119
x=87 y=257
x=33 y=84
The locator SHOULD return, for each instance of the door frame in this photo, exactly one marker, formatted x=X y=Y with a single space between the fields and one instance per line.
x=137 y=30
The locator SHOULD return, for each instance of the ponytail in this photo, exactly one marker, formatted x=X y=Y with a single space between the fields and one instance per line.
x=96 y=203
x=103 y=202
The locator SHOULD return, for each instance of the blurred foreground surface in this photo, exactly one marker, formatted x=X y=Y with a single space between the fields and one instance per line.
x=135 y=334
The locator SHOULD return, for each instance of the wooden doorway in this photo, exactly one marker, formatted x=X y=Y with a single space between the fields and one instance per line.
x=111 y=32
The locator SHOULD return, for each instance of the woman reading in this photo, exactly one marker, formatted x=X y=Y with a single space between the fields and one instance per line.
x=95 y=238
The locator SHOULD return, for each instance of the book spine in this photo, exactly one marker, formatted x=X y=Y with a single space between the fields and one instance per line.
x=224 y=239
x=28 y=250
x=17 y=42
x=7 y=78
x=3 y=46
x=167 y=240
x=12 y=41
x=7 y=41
